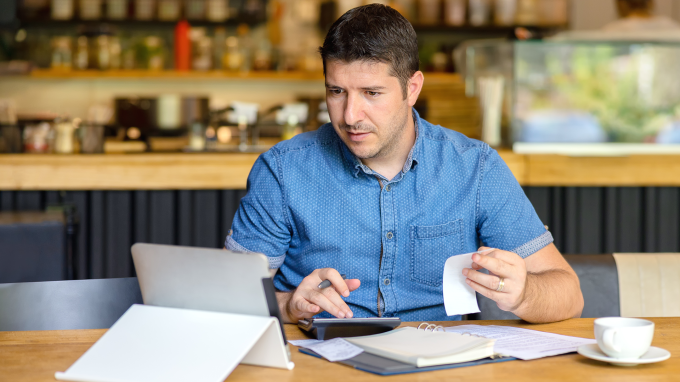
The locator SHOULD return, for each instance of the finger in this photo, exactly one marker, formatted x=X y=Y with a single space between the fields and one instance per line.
x=493 y=264
x=353 y=284
x=304 y=308
x=506 y=256
x=491 y=282
x=324 y=303
x=336 y=280
x=476 y=266
x=484 y=291
x=336 y=300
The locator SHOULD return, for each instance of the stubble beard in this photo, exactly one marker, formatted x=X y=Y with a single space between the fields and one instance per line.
x=392 y=135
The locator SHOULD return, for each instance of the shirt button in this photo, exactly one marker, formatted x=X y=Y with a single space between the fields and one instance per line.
x=389 y=235
x=386 y=282
x=388 y=188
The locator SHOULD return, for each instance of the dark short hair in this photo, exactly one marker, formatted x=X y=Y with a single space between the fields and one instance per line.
x=374 y=32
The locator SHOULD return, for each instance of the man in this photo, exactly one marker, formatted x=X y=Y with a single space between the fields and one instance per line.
x=385 y=197
x=638 y=16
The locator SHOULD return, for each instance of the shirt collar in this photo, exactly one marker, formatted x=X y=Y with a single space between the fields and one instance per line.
x=411 y=160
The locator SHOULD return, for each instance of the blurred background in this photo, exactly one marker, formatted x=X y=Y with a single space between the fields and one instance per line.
x=138 y=120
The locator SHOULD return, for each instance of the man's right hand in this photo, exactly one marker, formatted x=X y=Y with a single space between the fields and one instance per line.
x=308 y=300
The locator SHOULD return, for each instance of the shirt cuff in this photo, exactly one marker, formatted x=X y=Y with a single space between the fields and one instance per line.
x=231 y=245
x=534 y=245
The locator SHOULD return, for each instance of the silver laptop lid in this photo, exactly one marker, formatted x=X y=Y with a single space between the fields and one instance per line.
x=202 y=279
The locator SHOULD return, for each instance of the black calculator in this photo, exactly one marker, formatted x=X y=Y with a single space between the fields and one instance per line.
x=327 y=328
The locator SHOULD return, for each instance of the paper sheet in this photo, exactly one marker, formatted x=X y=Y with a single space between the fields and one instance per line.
x=459 y=298
x=304 y=343
x=524 y=343
x=333 y=350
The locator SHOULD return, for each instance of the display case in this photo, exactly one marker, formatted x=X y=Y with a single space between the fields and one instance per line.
x=596 y=92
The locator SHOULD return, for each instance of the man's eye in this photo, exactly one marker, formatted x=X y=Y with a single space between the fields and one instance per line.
x=335 y=91
x=372 y=94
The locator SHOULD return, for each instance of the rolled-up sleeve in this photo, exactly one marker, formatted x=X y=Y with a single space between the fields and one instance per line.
x=506 y=219
x=260 y=223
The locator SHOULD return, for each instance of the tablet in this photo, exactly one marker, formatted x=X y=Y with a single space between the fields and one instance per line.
x=327 y=328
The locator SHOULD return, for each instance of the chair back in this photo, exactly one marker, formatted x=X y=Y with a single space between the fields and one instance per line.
x=599 y=283
x=61 y=305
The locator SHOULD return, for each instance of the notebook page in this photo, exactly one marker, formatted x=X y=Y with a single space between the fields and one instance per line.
x=523 y=343
x=411 y=342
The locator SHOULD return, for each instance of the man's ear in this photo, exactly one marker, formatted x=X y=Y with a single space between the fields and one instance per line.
x=413 y=88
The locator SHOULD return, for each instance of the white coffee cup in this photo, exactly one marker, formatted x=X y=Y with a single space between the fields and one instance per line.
x=621 y=337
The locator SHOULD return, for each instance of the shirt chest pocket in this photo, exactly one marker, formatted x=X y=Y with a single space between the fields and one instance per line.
x=430 y=247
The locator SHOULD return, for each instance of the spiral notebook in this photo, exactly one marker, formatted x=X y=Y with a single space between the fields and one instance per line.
x=411 y=350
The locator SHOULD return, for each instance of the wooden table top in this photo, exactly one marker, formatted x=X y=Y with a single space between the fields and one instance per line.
x=36 y=356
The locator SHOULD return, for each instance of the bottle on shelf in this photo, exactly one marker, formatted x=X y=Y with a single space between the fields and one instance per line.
x=90 y=9
x=116 y=9
x=145 y=9
x=62 y=9
x=454 y=12
x=429 y=12
x=182 y=46
x=195 y=9
x=62 y=53
x=169 y=10
x=81 y=59
x=504 y=12
x=480 y=10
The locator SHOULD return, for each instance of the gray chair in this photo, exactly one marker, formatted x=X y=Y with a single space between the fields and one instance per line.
x=599 y=283
x=33 y=247
x=61 y=305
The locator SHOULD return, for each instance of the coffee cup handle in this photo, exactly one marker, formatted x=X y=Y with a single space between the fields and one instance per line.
x=608 y=339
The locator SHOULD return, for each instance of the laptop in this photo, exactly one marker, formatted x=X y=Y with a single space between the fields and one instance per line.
x=206 y=279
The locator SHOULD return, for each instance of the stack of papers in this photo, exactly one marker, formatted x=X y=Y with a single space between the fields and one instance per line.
x=523 y=343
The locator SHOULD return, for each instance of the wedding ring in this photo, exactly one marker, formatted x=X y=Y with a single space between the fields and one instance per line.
x=501 y=284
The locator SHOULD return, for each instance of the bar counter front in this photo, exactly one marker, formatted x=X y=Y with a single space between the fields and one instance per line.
x=35 y=357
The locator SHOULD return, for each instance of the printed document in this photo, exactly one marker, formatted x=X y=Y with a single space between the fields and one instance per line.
x=523 y=343
x=333 y=350
x=459 y=298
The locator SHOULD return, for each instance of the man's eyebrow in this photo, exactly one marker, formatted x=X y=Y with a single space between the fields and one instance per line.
x=367 y=88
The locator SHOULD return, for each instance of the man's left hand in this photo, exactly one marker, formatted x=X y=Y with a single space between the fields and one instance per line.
x=502 y=265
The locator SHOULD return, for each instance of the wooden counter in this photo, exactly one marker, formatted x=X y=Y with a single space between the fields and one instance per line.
x=36 y=356
x=230 y=171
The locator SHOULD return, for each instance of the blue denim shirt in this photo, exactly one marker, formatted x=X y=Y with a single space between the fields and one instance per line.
x=312 y=204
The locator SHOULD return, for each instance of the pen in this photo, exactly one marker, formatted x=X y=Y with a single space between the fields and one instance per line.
x=327 y=283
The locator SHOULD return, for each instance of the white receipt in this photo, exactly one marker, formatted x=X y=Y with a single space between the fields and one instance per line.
x=523 y=343
x=333 y=350
x=459 y=298
x=304 y=343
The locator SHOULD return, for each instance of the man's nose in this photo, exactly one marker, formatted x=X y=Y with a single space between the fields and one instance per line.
x=353 y=110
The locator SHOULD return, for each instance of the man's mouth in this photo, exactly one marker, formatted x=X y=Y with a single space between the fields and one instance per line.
x=357 y=136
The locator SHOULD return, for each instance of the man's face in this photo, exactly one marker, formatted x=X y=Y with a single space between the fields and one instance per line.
x=366 y=106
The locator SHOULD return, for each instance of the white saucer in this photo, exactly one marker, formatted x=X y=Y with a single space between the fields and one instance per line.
x=654 y=354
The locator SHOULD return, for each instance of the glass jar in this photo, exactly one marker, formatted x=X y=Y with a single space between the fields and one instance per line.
x=234 y=57
x=91 y=139
x=38 y=138
x=145 y=9
x=117 y=9
x=480 y=10
x=454 y=12
x=217 y=10
x=195 y=9
x=81 y=61
x=201 y=52
x=155 y=57
x=62 y=9
x=90 y=9
x=504 y=12
x=168 y=10
x=428 y=12
x=62 y=57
